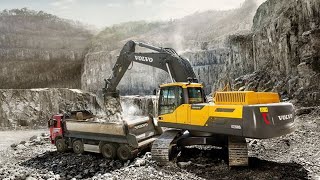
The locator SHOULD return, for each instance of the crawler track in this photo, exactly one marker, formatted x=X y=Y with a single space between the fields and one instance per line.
x=161 y=148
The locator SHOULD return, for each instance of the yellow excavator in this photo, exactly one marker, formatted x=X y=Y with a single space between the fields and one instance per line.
x=190 y=120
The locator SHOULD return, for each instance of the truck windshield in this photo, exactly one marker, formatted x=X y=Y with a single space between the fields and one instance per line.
x=195 y=95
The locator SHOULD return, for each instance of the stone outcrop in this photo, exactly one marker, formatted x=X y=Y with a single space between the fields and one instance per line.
x=286 y=46
x=280 y=54
x=33 y=107
x=275 y=48
x=199 y=36
x=219 y=66
x=40 y=50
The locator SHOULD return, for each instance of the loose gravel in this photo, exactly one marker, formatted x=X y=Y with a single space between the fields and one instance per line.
x=294 y=156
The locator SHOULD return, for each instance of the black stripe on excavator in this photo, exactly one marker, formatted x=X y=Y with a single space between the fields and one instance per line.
x=197 y=106
x=212 y=121
x=226 y=126
x=224 y=110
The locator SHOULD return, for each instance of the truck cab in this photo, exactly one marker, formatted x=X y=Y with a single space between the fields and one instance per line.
x=55 y=127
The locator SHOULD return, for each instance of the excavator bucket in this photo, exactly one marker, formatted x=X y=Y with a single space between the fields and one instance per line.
x=110 y=106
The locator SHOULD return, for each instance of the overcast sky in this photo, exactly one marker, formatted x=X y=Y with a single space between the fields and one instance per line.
x=103 y=13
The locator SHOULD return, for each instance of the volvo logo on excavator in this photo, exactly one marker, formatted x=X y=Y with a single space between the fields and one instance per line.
x=143 y=58
x=285 y=117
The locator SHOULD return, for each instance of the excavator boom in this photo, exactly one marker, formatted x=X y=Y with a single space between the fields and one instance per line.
x=179 y=68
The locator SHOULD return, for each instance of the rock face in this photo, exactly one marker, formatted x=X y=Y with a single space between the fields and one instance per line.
x=221 y=65
x=277 y=51
x=40 y=50
x=33 y=107
x=285 y=45
x=281 y=53
x=200 y=35
x=290 y=46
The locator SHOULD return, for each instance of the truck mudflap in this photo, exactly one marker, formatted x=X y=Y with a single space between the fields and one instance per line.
x=264 y=121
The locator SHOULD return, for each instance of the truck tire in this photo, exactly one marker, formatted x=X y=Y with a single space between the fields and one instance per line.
x=77 y=147
x=124 y=152
x=109 y=151
x=61 y=145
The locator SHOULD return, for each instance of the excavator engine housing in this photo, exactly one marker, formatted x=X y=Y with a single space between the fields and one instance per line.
x=245 y=98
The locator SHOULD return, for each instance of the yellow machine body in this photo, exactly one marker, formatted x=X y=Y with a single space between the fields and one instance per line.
x=239 y=113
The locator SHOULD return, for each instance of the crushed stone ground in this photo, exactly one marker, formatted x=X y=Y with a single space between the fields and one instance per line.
x=294 y=156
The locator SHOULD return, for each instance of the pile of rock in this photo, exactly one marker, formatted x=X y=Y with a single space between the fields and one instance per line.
x=38 y=159
x=139 y=105
x=110 y=110
x=106 y=119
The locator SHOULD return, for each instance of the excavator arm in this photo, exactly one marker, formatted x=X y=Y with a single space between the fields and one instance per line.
x=179 y=68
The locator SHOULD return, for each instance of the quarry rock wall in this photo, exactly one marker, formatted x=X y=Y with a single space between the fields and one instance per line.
x=280 y=54
x=286 y=46
x=40 y=50
x=33 y=107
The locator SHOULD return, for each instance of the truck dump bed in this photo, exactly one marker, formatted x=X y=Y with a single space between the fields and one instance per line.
x=136 y=131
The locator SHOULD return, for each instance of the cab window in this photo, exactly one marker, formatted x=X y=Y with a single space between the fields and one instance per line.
x=52 y=123
x=195 y=95
x=170 y=98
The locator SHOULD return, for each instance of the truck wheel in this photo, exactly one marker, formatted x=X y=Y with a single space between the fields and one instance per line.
x=124 y=152
x=61 y=145
x=109 y=151
x=77 y=147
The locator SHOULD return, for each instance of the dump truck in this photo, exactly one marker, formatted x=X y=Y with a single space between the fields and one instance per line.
x=76 y=130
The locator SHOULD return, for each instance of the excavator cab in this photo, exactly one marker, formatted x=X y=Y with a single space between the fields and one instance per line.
x=170 y=98
x=179 y=95
x=195 y=95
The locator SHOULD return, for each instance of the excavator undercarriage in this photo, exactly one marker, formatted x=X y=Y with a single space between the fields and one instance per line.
x=167 y=146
